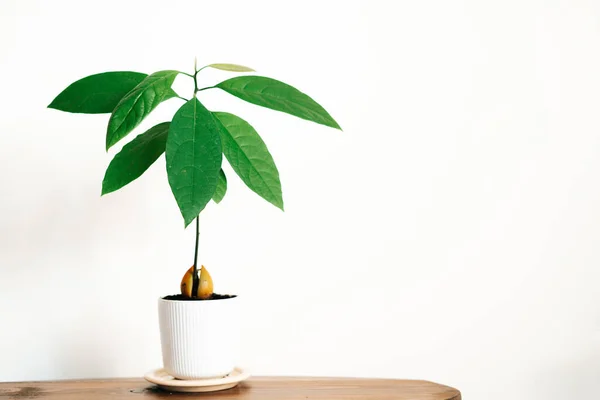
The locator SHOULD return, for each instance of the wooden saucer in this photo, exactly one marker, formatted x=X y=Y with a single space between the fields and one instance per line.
x=165 y=381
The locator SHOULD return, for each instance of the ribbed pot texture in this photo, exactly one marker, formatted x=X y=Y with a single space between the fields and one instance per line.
x=200 y=339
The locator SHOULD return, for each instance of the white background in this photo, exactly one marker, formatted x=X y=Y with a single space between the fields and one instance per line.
x=450 y=233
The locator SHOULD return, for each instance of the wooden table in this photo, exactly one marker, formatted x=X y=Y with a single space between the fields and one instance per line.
x=253 y=389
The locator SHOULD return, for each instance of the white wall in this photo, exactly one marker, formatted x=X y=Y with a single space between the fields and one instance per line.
x=450 y=233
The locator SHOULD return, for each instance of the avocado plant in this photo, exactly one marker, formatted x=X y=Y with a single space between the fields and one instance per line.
x=194 y=141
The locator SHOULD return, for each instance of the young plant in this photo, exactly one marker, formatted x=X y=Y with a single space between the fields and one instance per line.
x=194 y=141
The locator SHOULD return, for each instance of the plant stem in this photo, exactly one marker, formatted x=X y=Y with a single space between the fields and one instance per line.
x=195 y=84
x=206 y=66
x=195 y=76
x=195 y=277
x=204 y=88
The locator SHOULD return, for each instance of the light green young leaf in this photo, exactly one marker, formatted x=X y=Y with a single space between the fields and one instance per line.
x=249 y=157
x=194 y=158
x=279 y=96
x=138 y=103
x=135 y=158
x=231 y=67
x=221 y=188
x=97 y=94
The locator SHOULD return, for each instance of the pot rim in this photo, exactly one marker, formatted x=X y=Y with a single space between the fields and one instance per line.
x=161 y=298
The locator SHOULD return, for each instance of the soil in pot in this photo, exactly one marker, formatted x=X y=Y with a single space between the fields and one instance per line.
x=214 y=296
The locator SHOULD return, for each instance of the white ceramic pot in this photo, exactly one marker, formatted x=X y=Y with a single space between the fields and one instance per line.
x=200 y=339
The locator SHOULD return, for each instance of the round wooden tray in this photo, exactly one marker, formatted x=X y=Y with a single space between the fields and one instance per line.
x=162 y=379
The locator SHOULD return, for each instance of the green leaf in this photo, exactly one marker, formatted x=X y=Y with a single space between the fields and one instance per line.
x=97 y=94
x=231 y=67
x=221 y=188
x=250 y=158
x=135 y=158
x=170 y=94
x=193 y=158
x=138 y=103
x=277 y=96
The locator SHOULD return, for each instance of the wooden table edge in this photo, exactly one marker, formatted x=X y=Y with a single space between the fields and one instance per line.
x=454 y=393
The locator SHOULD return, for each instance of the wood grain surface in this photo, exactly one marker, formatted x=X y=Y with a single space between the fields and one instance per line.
x=254 y=389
